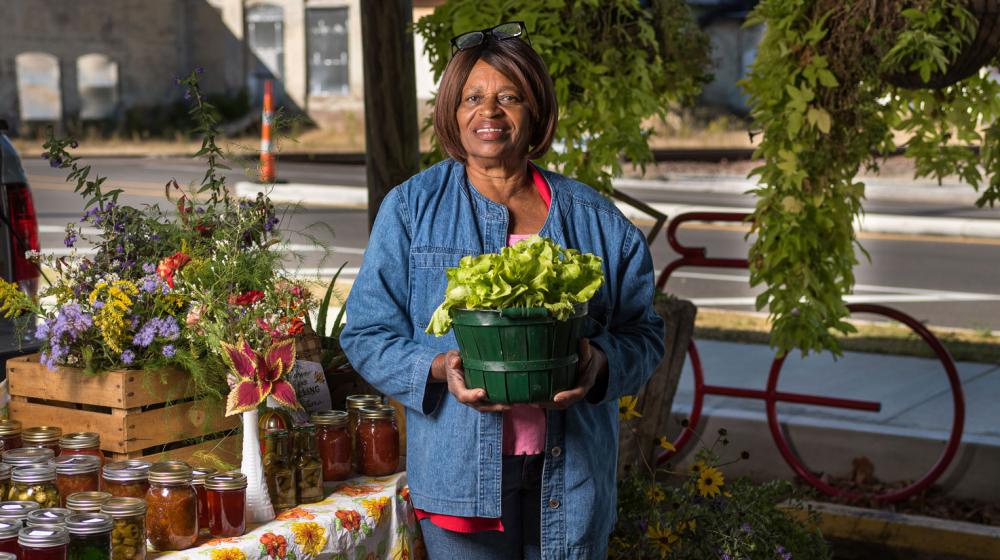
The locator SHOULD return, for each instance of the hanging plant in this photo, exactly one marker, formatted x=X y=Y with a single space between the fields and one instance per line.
x=821 y=94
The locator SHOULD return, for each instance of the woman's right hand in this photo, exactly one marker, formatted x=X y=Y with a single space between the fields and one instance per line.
x=447 y=367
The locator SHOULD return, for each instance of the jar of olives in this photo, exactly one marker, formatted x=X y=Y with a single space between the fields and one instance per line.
x=334 y=444
x=127 y=479
x=10 y=434
x=4 y=480
x=28 y=456
x=16 y=511
x=86 y=502
x=89 y=536
x=227 y=503
x=43 y=543
x=128 y=535
x=279 y=472
x=308 y=468
x=81 y=443
x=171 y=507
x=77 y=473
x=42 y=436
x=47 y=517
x=35 y=483
x=378 y=441
x=8 y=536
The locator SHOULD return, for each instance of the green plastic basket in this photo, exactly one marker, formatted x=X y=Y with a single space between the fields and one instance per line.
x=519 y=355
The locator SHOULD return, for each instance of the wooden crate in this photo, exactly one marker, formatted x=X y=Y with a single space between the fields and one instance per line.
x=137 y=414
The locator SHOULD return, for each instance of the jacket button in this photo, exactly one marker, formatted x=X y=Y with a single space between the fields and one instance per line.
x=554 y=504
x=556 y=451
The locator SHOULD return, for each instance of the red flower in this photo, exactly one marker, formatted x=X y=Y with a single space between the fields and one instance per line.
x=275 y=545
x=170 y=265
x=204 y=230
x=260 y=375
x=246 y=298
x=350 y=519
x=295 y=326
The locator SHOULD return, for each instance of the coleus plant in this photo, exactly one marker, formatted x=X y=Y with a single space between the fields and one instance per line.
x=256 y=376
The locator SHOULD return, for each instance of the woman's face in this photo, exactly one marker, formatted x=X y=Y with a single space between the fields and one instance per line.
x=492 y=117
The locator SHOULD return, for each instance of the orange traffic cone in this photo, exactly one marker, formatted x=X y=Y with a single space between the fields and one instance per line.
x=268 y=170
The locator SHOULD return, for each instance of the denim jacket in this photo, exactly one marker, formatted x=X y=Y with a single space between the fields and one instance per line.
x=423 y=227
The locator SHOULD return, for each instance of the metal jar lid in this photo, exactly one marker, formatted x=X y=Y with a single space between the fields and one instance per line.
x=41 y=434
x=77 y=464
x=80 y=440
x=7 y=555
x=358 y=401
x=16 y=510
x=33 y=474
x=231 y=480
x=47 y=517
x=329 y=418
x=43 y=537
x=9 y=528
x=382 y=412
x=170 y=472
x=199 y=474
x=127 y=471
x=28 y=456
x=86 y=501
x=89 y=523
x=124 y=507
x=5 y=471
x=10 y=427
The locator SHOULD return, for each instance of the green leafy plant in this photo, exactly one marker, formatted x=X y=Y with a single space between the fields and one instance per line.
x=614 y=64
x=332 y=356
x=820 y=93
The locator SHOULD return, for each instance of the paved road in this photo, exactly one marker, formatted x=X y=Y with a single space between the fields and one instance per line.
x=944 y=282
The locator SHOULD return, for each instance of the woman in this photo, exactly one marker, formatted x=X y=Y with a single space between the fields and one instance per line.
x=488 y=480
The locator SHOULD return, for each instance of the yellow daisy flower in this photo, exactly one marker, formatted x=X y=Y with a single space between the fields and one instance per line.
x=710 y=482
x=227 y=554
x=665 y=539
x=655 y=493
x=311 y=536
x=666 y=444
x=626 y=408
x=376 y=508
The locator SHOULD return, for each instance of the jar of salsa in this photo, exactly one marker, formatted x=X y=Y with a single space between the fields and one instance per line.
x=227 y=502
x=354 y=403
x=4 y=480
x=77 y=473
x=89 y=536
x=127 y=479
x=43 y=543
x=28 y=456
x=15 y=511
x=171 y=507
x=35 y=483
x=42 y=436
x=308 y=468
x=47 y=517
x=378 y=441
x=128 y=536
x=81 y=443
x=279 y=473
x=86 y=502
x=198 y=479
x=334 y=444
x=8 y=536
x=10 y=434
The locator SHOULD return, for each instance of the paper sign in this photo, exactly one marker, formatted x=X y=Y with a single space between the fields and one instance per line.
x=310 y=387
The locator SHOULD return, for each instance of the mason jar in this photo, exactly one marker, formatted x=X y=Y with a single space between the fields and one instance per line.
x=17 y=510
x=47 y=517
x=128 y=535
x=378 y=441
x=4 y=480
x=8 y=536
x=77 y=473
x=89 y=536
x=81 y=443
x=35 y=483
x=86 y=502
x=43 y=543
x=227 y=504
x=354 y=404
x=198 y=476
x=28 y=456
x=10 y=434
x=127 y=479
x=171 y=507
x=334 y=443
x=42 y=436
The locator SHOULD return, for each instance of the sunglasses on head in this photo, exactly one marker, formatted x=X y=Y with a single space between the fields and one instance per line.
x=504 y=31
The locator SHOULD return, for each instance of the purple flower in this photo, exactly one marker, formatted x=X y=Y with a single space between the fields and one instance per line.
x=45 y=155
x=148 y=268
x=199 y=70
x=74 y=145
x=119 y=249
x=169 y=350
x=782 y=553
x=98 y=305
x=150 y=284
x=55 y=163
x=746 y=528
x=128 y=357
x=70 y=240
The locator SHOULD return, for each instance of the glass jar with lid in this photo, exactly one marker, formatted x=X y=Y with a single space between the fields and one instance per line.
x=15 y=511
x=81 y=443
x=89 y=536
x=28 y=456
x=35 y=483
x=127 y=479
x=128 y=535
x=308 y=468
x=227 y=502
x=43 y=543
x=10 y=434
x=198 y=475
x=171 y=507
x=354 y=404
x=378 y=441
x=279 y=473
x=47 y=517
x=334 y=443
x=8 y=536
x=86 y=502
x=42 y=436
x=77 y=473
x=4 y=479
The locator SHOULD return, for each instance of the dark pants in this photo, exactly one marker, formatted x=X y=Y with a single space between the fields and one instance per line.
x=521 y=515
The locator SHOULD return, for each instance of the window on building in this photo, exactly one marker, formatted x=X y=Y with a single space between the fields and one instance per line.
x=97 y=81
x=266 y=40
x=38 y=86
x=328 y=56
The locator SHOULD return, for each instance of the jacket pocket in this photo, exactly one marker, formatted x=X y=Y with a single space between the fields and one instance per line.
x=430 y=282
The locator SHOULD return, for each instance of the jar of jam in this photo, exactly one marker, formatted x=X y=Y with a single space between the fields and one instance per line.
x=15 y=511
x=334 y=444
x=378 y=441
x=8 y=536
x=89 y=536
x=128 y=535
x=77 y=473
x=81 y=443
x=227 y=503
x=198 y=479
x=43 y=543
x=354 y=403
x=279 y=473
x=127 y=479
x=47 y=517
x=28 y=456
x=35 y=483
x=42 y=436
x=86 y=502
x=4 y=479
x=10 y=434
x=308 y=468
x=171 y=507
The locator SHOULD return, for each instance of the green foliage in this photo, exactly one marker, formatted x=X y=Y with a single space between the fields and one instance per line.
x=613 y=64
x=818 y=93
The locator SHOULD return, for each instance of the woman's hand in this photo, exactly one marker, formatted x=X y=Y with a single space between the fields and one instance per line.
x=447 y=367
x=593 y=364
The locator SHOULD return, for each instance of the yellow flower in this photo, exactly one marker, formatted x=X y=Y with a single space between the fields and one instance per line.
x=655 y=493
x=311 y=536
x=710 y=482
x=376 y=508
x=664 y=539
x=626 y=408
x=228 y=554
x=13 y=302
x=666 y=444
x=698 y=466
x=692 y=525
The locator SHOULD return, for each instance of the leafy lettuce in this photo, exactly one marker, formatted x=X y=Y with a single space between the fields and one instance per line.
x=535 y=272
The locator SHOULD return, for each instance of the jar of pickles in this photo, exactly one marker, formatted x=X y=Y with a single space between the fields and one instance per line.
x=171 y=507
x=378 y=441
x=8 y=536
x=308 y=468
x=198 y=476
x=89 y=536
x=43 y=543
x=279 y=472
x=35 y=483
x=28 y=456
x=86 y=502
x=227 y=502
x=10 y=434
x=42 y=436
x=4 y=479
x=77 y=473
x=15 y=511
x=334 y=444
x=354 y=404
x=128 y=535
x=81 y=443
x=47 y=517
x=127 y=479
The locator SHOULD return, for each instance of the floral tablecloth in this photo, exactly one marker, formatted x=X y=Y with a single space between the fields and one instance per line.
x=362 y=519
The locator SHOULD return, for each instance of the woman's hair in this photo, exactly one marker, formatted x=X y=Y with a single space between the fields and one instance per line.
x=516 y=60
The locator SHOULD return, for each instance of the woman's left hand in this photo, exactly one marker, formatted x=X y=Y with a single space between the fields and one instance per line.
x=593 y=364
